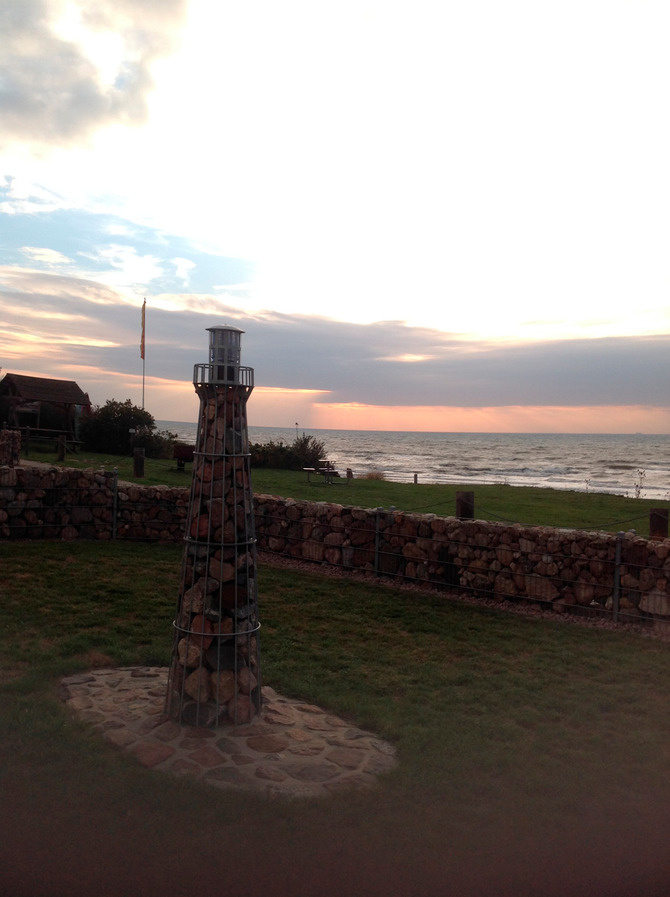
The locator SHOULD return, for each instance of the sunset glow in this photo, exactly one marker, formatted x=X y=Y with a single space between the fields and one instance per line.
x=511 y=419
x=455 y=231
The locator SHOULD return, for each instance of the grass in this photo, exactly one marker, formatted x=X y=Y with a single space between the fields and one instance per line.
x=525 y=505
x=533 y=755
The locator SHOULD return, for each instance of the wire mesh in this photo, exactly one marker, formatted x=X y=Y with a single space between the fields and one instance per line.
x=215 y=670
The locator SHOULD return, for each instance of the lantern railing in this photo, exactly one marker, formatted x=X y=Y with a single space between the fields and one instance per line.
x=223 y=375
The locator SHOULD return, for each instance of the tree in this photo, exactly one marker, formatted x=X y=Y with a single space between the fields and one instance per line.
x=108 y=429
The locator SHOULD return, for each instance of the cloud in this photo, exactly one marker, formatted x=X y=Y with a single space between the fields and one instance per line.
x=183 y=268
x=125 y=268
x=77 y=322
x=358 y=363
x=68 y=69
x=49 y=256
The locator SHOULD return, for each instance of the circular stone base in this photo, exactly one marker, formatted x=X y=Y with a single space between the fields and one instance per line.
x=292 y=748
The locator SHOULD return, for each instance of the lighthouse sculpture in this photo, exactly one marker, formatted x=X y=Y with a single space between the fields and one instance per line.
x=214 y=675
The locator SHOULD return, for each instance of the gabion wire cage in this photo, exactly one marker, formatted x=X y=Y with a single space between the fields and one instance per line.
x=215 y=675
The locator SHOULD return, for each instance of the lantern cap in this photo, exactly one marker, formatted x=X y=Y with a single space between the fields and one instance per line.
x=229 y=327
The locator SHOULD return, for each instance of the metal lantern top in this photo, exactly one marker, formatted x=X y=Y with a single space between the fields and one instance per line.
x=224 y=367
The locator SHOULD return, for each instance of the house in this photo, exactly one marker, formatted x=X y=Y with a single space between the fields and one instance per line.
x=48 y=407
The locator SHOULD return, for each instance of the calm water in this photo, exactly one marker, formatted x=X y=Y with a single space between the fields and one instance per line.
x=594 y=463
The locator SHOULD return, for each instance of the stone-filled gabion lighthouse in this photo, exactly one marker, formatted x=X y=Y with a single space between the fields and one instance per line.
x=215 y=671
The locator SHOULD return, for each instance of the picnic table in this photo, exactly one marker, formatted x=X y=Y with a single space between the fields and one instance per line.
x=327 y=470
x=182 y=453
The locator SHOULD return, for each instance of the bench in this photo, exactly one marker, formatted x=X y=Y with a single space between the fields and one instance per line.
x=328 y=473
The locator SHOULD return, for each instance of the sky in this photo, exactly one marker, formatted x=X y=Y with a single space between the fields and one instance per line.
x=439 y=216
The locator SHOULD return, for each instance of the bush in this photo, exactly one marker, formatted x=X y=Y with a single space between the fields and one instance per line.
x=374 y=475
x=308 y=451
x=107 y=430
x=304 y=451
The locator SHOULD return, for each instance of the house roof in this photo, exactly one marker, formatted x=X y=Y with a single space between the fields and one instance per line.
x=43 y=389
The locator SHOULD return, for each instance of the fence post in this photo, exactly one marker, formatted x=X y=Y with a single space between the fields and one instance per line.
x=616 y=592
x=378 y=512
x=465 y=505
x=138 y=462
x=658 y=524
x=115 y=503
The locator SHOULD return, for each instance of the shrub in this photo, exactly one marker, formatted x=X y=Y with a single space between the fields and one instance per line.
x=308 y=451
x=107 y=429
x=304 y=451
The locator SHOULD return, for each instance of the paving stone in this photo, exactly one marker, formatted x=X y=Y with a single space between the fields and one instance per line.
x=307 y=750
x=227 y=745
x=313 y=773
x=267 y=744
x=242 y=759
x=120 y=737
x=79 y=679
x=207 y=756
x=298 y=735
x=149 y=724
x=152 y=754
x=256 y=728
x=80 y=702
x=168 y=731
x=349 y=758
x=227 y=774
x=349 y=782
x=318 y=725
x=112 y=724
x=280 y=717
x=270 y=772
x=309 y=708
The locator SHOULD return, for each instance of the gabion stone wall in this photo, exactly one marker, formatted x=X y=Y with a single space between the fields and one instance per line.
x=63 y=503
x=559 y=568
x=555 y=567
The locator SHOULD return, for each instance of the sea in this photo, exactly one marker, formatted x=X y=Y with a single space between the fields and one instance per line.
x=636 y=465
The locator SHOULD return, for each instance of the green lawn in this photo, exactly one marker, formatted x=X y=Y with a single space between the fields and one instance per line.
x=526 y=505
x=534 y=755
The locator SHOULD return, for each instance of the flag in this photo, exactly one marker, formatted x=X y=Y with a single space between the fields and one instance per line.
x=144 y=308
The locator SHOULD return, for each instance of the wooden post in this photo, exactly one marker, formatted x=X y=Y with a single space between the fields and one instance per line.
x=658 y=524
x=138 y=462
x=465 y=505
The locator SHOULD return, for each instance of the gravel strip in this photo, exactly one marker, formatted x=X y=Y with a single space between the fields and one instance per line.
x=650 y=629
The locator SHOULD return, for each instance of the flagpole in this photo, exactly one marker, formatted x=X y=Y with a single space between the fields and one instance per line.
x=142 y=352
